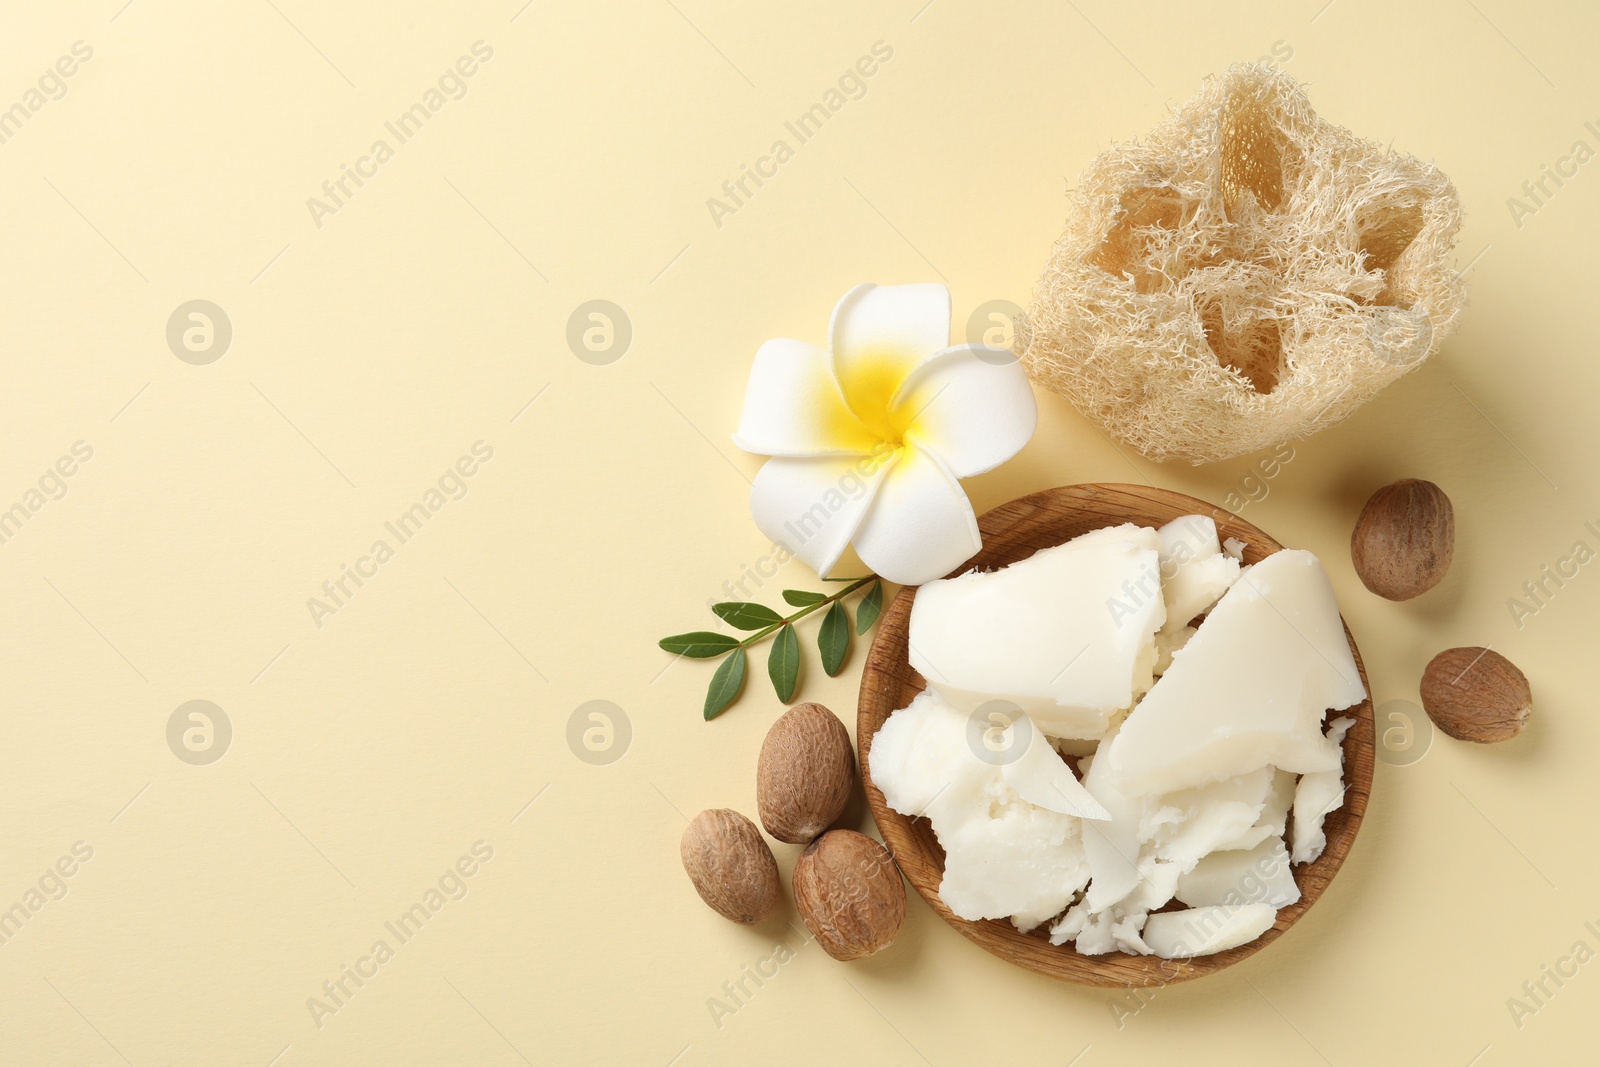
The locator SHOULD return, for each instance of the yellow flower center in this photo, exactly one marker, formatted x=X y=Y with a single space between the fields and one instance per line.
x=869 y=382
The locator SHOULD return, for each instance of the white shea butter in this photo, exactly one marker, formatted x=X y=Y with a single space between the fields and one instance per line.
x=1258 y=875
x=1066 y=635
x=1249 y=689
x=1315 y=797
x=1202 y=931
x=1040 y=776
x=1018 y=860
x=1135 y=759
x=1004 y=856
x=1194 y=571
x=1199 y=821
x=1112 y=847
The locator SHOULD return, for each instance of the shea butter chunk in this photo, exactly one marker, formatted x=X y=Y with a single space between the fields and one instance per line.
x=1194 y=822
x=1258 y=875
x=1202 y=931
x=1041 y=777
x=1112 y=847
x=1015 y=860
x=1067 y=635
x=1194 y=571
x=1315 y=797
x=1004 y=856
x=923 y=762
x=1249 y=689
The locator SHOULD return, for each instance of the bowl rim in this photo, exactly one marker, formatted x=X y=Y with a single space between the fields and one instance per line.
x=1014 y=531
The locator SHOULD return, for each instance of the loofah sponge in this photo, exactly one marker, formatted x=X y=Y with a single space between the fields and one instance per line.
x=1248 y=274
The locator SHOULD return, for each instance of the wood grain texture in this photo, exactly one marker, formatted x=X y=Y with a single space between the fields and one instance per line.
x=1013 y=532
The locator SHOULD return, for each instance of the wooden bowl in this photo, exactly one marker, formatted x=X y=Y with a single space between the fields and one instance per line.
x=1013 y=532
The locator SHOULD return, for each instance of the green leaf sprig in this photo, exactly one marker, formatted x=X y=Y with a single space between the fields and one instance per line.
x=783 y=661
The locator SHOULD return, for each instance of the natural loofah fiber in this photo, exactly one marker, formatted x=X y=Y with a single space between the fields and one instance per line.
x=1248 y=274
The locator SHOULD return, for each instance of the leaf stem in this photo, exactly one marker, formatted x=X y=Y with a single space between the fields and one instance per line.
x=807 y=610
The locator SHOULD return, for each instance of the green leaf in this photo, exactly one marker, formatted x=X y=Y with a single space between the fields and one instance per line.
x=870 y=608
x=843 y=579
x=746 y=616
x=801 y=598
x=833 y=639
x=725 y=684
x=783 y=663
x=702 y=644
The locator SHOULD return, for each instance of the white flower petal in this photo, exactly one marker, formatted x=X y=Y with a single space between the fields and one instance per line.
x=813 y=505
x=971 y=405
x=920 y=525
x=793 y=407
x=880 y=334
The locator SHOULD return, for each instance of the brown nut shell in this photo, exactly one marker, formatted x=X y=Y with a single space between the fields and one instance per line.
x=804 y=774
x=730 y=865
x=1404 y=540
x=849 y=893
x=1474 y=694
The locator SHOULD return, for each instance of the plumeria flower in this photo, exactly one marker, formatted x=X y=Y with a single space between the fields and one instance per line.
x=869 y=440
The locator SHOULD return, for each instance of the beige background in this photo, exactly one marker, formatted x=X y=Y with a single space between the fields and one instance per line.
x=368 y=354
